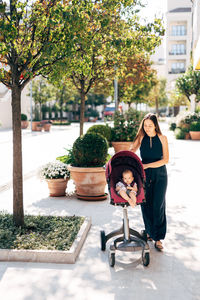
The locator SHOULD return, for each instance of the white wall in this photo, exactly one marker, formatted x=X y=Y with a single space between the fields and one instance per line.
x=6 y=107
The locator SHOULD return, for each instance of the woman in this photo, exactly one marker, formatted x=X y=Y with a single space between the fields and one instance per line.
x=154 y=154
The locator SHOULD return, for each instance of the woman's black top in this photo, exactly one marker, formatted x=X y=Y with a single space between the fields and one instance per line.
x=151 y=149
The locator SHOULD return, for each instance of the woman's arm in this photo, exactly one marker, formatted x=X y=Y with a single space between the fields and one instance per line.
x=165 y=158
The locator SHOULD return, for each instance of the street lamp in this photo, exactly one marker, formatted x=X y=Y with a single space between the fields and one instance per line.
x=31 y=105
x=116 y=90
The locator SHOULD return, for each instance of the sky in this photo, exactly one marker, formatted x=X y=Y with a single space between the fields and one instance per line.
x=154 y=8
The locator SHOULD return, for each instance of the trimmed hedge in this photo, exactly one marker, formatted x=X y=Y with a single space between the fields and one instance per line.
x=104 y=130
x=89 y=150
x=179 y=133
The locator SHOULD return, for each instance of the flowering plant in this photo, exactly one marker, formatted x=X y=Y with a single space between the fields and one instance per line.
x=187 y=118
x=126 y=125
x=55 y=170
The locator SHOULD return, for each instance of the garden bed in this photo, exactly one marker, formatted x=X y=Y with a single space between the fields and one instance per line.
x=43 y=238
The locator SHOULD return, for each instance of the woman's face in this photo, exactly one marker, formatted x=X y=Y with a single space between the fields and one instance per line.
x=149 y=127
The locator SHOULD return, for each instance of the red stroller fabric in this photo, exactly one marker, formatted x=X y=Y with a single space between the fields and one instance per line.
x=121 y=161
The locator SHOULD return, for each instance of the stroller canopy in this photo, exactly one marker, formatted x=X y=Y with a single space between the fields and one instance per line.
x=121 y=161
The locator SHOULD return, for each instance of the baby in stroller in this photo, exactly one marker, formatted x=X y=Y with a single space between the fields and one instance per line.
x=127 y=187
x=125 y=169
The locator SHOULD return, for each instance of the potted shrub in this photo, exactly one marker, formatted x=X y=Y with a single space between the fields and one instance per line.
x=172 y=126
x=46 y=124
x=24 y=121
x=183 y=120
x=87 y=158
x=195 y=130
x=179 y=133
x=104 y=130
x=93 y=115
x=57 y=175
x=36 y=126
x=125 y=129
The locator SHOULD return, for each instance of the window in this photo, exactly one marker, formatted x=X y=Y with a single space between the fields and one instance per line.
x=178 y=49
x=178 y=67
x=178 y=30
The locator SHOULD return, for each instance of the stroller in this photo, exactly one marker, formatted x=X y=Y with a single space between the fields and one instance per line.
x=129 y=239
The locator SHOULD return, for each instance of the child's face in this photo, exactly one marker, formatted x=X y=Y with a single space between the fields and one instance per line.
x=128 y=177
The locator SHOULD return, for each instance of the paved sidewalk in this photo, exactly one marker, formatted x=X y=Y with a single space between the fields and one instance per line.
x=173 y=274
x=38 y=148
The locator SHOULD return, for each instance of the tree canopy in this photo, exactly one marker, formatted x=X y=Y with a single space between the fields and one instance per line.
x=34 y=35
x=189 y=84
x=104 y=39
x=157 y=96
x=137 y=79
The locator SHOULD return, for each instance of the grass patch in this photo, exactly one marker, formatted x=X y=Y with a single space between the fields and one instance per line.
x=39 y=232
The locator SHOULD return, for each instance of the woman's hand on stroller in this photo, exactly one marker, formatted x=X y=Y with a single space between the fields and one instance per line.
x=145 y=166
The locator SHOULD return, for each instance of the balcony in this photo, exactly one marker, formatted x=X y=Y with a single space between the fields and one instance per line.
x=176 y=71
x=178 y=33
x=177 y=53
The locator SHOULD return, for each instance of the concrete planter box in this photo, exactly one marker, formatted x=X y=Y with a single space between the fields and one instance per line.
x=49 y=256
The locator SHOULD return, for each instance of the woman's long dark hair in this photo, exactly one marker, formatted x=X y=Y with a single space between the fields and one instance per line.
x=141 y=132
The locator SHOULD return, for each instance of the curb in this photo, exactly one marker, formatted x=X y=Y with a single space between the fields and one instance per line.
x=6 y=186
x=50 y=256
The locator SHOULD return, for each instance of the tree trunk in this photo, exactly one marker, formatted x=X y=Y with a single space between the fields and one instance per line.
x=18 y=210
x=157 y=111
x=82 y=110
x=61 y=115
x=176 y=110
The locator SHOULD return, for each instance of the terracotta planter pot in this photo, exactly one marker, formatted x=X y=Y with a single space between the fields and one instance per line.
x=35 y=125
x=187 y=136
x=24 y=124
x=39 y=127
x=120 y=146
x=57 y=187
x=90 y=182
x=185 y=125
x=195 y=135
x=47 y=127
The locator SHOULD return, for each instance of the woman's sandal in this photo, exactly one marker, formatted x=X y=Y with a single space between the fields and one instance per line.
x=159 y=247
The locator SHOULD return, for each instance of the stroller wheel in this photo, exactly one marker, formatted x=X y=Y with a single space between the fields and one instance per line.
x=112 y=259
x=103 y=240
x=145 y=258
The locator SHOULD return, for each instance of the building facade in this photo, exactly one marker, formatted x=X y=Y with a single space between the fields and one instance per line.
x=159 y=62
x=178 y=39
x=196 y=34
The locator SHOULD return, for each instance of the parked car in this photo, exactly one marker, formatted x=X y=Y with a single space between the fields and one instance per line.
x=109 y=111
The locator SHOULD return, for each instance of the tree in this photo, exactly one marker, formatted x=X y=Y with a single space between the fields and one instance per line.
x=157 y=96
x=94 y=99
x=137 y=79
x=65 y=93
x=189 y=84
x=42 y=93
x=175 y=99
x=104 y=40
x=33 y=36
